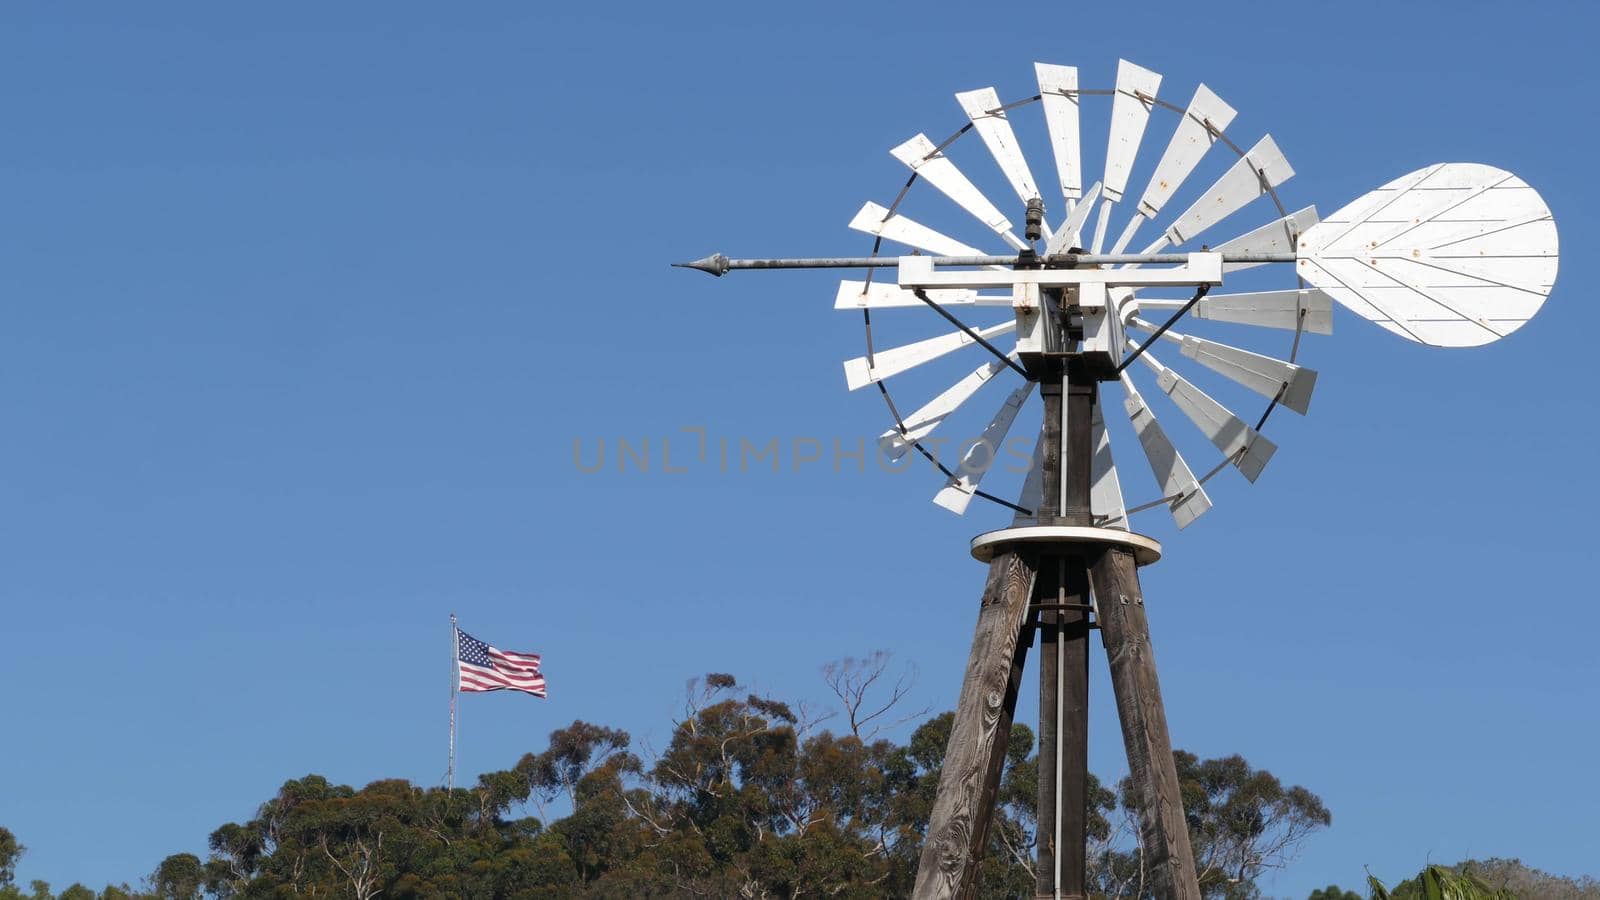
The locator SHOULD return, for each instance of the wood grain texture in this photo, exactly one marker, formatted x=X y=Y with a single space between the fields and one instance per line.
x=959 y=824
x=1078 y=452
x=1050 y=451
x=1126 y=632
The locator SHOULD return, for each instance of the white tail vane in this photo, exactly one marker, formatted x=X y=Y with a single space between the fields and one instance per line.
x=921 y=423
x=1058 y=94
x=1277 y=236
x=1310 y=310
x=1450 y=255
x=930 y=164
x=1262 y=167
x=1454 y=255
x=1240 y=444
x=1183 y=495
x=877 y=220
x=1263 y=374
x=855 y=294
x=1202 y=124
x=858 y=373
x=983 y=455
x=1105 y=490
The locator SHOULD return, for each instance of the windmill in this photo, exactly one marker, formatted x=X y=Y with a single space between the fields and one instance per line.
x=1451 y=255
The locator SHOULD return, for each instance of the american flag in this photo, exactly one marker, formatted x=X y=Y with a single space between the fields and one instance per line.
x=483 y=668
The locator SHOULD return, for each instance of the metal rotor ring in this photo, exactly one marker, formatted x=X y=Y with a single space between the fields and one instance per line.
x=877 y=245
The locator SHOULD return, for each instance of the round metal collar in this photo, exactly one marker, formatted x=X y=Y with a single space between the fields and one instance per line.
x=1145 y=550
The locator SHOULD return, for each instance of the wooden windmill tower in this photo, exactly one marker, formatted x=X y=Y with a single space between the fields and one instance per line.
x=1449 y=255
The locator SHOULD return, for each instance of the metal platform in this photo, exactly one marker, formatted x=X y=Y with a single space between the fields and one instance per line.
x=1145 y=550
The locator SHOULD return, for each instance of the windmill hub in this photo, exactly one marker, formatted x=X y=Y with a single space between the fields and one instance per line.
x=1034 y=228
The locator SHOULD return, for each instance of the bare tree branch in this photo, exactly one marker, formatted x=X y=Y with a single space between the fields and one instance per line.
x=852 y=680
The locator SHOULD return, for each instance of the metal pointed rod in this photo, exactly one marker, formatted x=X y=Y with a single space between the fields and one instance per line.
x=719 y=265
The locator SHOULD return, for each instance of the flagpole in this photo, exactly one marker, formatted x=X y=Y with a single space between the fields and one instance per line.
x=455 y=683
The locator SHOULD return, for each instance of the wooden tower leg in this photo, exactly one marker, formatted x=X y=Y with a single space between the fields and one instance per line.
x=1126 y=634
x=975 y=756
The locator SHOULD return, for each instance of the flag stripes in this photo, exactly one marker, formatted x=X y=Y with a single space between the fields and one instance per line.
x=481 y=667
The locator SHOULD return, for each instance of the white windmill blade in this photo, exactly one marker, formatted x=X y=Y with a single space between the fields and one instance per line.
x=1128 y=231
x=1261 y=167
x=1206 y=117
x=1248 y=450
x=1268 y=309
x=1130 y=113
x=856 y=294
x=1263 y=374
x=1454 y=255
x=1105 y=490
x=877 y=220
x=1098 y=242
x=1066 y=237
x=1277 y=236
x=1058 y=94
x=921 y=423
x=1032 y=496
x=982 y=106
x=980 y=457
x=1188 y=500
x=931 y=165
x=858 y=373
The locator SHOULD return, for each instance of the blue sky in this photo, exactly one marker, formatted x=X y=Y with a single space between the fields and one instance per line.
x=305 y=308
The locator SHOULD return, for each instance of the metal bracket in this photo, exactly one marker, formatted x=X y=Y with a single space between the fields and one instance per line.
x=1090 y=620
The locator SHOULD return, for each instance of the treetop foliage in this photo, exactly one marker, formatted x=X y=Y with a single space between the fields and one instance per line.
x=1488 y=879
x=751 y=797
